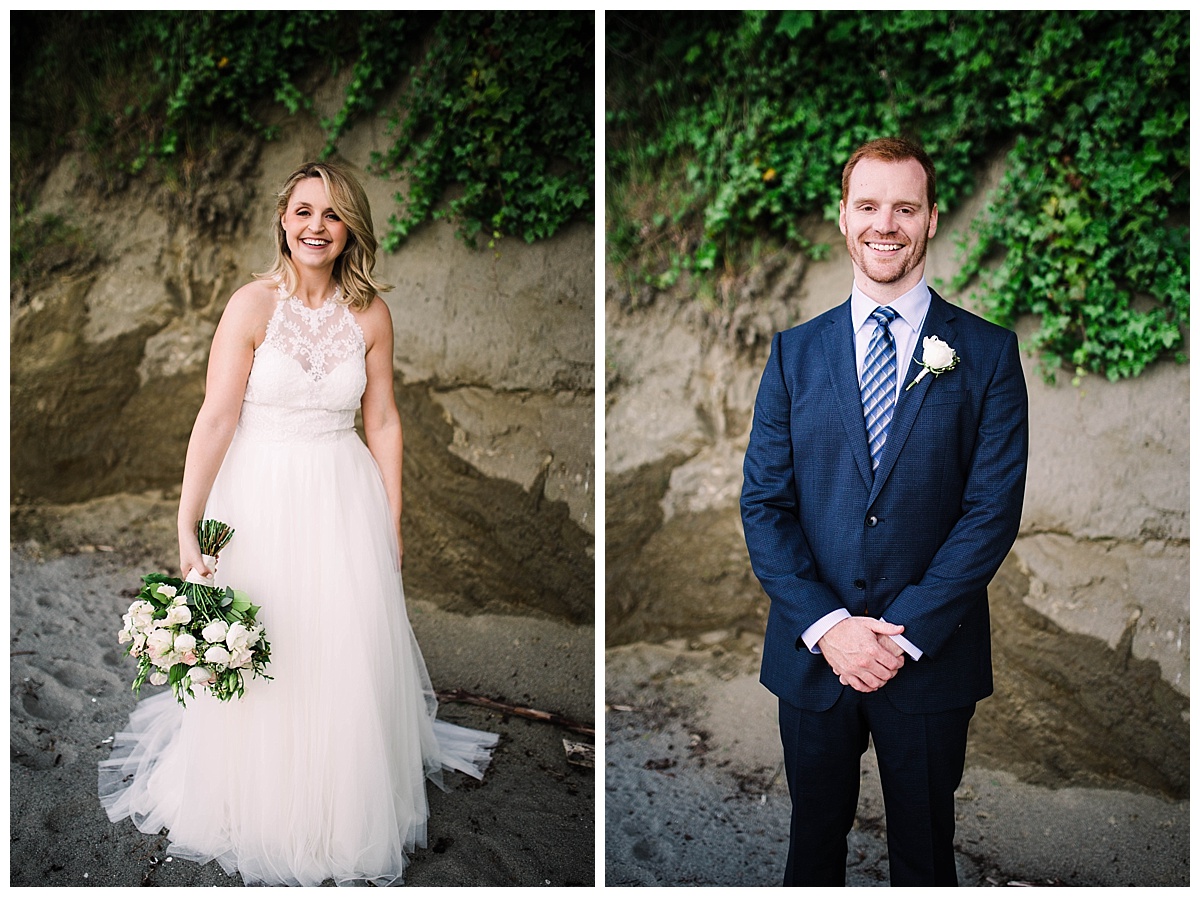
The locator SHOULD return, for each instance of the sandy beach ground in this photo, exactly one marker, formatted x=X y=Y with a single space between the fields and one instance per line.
x=695 y=794
x=530 y=822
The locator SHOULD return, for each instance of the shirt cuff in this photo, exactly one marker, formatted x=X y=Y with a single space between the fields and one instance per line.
x=817 y=630
x=909 y=648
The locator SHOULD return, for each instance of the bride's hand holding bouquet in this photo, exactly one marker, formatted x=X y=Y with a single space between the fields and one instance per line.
x=199 y=548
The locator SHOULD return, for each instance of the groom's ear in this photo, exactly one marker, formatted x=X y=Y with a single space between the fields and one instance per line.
x=842 y=217
x=932 y=220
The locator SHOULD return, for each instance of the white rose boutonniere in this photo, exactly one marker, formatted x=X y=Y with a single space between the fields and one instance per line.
x=938 y=358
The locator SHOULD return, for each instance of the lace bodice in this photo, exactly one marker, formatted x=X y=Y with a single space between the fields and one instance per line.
x=308 y=375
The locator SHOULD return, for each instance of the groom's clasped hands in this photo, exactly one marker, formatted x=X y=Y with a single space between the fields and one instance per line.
x=862 y=653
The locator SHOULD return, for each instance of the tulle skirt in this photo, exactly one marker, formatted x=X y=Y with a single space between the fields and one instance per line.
x=318 y=773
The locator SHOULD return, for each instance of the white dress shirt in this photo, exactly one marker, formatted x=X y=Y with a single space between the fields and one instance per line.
x=910 y=310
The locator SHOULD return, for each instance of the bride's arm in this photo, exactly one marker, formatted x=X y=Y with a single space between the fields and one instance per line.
x=381 y=419
x=229 y=364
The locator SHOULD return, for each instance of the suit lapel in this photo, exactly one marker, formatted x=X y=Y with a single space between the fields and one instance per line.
x=938 y=322
x=838 y=342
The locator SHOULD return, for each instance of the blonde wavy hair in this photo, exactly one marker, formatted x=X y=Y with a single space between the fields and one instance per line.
x=352 y=270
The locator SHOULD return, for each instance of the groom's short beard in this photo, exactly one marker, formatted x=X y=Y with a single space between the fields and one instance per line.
x=858 y=252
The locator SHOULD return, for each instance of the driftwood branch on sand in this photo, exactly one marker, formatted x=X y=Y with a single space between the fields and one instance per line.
x=466 y=697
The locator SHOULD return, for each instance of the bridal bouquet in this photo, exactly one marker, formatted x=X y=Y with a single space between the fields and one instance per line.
x=186 y=633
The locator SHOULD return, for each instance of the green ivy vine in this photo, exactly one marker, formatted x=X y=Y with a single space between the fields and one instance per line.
x=502 y=106
x=491 y=112
x=728 y=128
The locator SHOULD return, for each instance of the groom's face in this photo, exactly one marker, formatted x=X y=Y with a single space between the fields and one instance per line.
x=887 y=222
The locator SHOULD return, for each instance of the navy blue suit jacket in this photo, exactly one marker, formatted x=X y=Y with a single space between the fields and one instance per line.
x=918 y=542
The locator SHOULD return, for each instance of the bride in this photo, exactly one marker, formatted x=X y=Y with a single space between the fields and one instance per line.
x=318 y=773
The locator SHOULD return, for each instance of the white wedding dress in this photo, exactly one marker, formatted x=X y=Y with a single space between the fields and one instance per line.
x=320 y=772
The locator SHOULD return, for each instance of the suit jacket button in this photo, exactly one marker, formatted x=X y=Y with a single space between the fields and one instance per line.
x=871 y=521
x=860 y=584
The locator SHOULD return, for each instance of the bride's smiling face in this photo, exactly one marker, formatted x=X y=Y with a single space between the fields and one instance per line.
x=315 y=234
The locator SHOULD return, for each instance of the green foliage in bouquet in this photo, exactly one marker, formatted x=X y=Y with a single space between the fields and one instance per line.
x=213 y=535
x=185 y=634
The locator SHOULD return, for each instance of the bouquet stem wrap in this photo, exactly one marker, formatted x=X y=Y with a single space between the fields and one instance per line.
x=211 y=563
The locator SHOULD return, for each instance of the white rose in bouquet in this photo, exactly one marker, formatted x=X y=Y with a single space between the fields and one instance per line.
x=241 y=658
x=239 y=637
x=158 y=677
x=185 y=647
x=215 y=632
x=200 y=676
x=165 y=590
x=179 y=613
x=216 y=654
x=140 y=616
x=185 y=642
x=159 y=643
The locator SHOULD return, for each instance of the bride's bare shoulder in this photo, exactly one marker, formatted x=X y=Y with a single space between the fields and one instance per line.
x=250 y=307
x=375 y=321
x=256 y=294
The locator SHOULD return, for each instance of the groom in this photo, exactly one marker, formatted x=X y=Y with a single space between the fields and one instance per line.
x=881 y=495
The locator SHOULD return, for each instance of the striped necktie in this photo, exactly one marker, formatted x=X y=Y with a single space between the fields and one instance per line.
x=879 y=382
